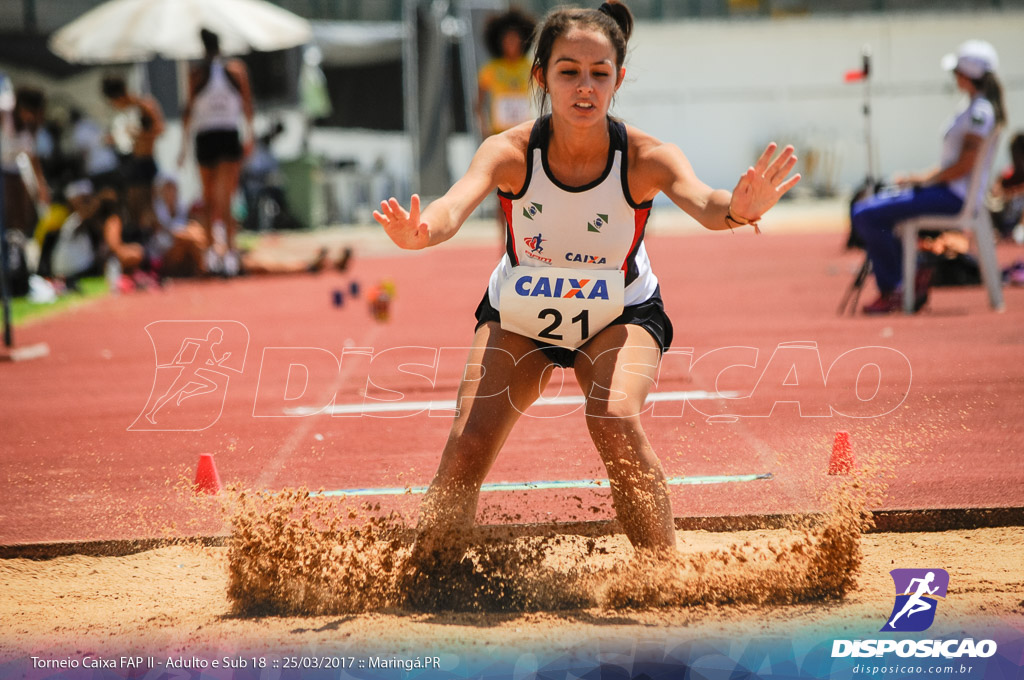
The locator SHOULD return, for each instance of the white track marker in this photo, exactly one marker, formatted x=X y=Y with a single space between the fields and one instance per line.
x=553 y=484
x=27 y=353
x=449 y=404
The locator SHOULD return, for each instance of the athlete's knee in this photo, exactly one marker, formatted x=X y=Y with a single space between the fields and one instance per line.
x=614 y=430
x=619 y=407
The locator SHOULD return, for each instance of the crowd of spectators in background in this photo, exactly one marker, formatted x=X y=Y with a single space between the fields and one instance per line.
x=85 y=199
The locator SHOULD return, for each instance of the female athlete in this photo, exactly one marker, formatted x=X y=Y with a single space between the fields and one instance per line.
x=574 y=287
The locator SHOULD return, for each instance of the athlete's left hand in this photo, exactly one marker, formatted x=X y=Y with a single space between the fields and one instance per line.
x=761 y=186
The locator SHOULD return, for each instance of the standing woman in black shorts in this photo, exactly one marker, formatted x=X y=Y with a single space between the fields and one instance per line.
x=219 y=101
x=18 y=129
x=575 y=286
x=139 y=170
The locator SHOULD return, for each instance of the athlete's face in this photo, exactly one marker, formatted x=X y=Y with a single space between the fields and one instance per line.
x=964 y=83
x=581 y=76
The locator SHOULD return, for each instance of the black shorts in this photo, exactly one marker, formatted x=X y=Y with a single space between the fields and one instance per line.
x=140 y=171
x=649 y=315
x=111 y=179
x=218 y=146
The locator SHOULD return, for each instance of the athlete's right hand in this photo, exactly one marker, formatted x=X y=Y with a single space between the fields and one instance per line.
x=404 y=228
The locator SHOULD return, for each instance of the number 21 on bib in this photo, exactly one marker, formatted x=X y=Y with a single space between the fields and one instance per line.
x=564 y=307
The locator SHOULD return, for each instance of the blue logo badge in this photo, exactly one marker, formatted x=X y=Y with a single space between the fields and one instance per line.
x=916 y=593
x=533 y=243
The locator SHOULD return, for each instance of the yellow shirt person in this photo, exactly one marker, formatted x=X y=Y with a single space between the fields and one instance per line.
x=504 y=82
x=507 y=87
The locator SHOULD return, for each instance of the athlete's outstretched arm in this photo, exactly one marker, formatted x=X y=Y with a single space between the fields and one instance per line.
x=414 y=229
x=757 y=190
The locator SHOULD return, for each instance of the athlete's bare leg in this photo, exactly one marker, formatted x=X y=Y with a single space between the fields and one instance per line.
x=208 y=177
x=619 y=367
x=494 y=392
x=226 y=183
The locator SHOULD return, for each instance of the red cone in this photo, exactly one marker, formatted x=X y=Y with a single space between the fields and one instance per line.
x=207 y=479
x=841 y=462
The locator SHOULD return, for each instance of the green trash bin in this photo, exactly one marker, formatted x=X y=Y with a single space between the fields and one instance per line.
x=304 y=190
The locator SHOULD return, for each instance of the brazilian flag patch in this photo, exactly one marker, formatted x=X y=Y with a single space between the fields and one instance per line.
x=598 y=222
x=532 y=210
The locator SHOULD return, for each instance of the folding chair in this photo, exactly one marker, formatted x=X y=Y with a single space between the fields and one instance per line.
x=973 y=218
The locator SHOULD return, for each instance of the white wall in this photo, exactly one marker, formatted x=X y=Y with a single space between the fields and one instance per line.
x=721 y=90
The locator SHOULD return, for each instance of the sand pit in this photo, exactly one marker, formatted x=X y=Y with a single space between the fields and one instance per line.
x=294 y=552
x=174 y=600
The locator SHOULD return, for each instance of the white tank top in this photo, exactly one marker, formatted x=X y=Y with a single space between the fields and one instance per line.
x=596 y=226
x=977 y=118
x=218 y=106
x=13 y=143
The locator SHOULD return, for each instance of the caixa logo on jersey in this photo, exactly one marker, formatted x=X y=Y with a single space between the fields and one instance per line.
x=584 y=258
x=914 y=611
x=561 y=287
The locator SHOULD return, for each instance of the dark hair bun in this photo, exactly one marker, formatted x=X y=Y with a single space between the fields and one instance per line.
x=620 y=14
x=113 y=87
x=30 y=98
x=211 y=41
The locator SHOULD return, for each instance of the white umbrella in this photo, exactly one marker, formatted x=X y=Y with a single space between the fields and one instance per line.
x=123 y=31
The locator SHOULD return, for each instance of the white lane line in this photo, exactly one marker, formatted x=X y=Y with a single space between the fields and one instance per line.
x=550 y=484
x=449 y=404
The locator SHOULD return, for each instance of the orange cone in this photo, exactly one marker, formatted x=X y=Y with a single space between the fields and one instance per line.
x=207 y=479
x=841 y=462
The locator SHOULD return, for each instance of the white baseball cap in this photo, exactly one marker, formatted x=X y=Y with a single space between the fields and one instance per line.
x=973 y=59
x=81 y=187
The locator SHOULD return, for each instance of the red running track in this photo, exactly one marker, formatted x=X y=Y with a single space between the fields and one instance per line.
x=73 y=469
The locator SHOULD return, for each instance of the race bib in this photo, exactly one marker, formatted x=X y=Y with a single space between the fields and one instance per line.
x=564 y=307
